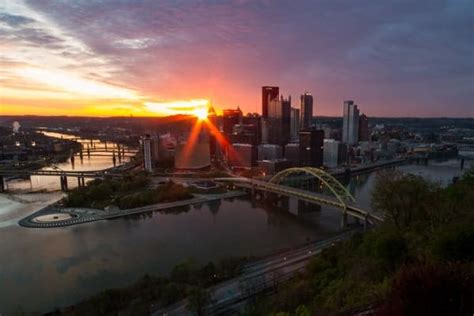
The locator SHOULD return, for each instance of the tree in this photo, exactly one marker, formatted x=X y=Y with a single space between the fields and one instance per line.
x=431 y=289
x=401 y=197
x=198 y=298
x=455 y=243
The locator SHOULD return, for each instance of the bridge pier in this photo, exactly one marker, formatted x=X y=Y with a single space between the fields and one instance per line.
x=283 y=201
x=80 y=182
x=3 y=184
x=307 y=207
x=344 y=219
x=63 y=181
x=257 y=194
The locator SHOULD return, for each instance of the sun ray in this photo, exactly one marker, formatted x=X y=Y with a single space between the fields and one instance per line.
x=192 y=140
x=223 y=142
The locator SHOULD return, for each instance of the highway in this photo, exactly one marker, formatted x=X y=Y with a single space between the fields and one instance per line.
x=230 y=296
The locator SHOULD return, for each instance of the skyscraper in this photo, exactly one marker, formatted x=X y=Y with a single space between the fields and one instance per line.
x=294 y=124
x=363 y=128
x=268 y=94
x=311 y=148
x=256 y=120
x=147 y=159
x=279 y=120
x=333 y=153
x=350 y=123
x=230 y=118
x=212 y=118
x=306 y=111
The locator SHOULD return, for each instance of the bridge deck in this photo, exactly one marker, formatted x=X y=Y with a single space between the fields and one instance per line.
x=86 y=174
x=312 y=197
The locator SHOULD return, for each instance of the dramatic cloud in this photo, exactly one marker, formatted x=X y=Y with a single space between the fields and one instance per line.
x=14 y=20
x=392 y=57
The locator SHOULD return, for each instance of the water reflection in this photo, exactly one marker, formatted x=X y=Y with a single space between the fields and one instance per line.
x=70 y=263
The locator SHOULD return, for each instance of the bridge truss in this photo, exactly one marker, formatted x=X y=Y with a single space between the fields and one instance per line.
x=331 y=183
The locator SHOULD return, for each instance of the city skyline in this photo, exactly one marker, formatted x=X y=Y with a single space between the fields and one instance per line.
x=105 y=59
x=224 y=157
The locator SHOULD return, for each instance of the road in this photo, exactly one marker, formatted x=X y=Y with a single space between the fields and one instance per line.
x=230 y=296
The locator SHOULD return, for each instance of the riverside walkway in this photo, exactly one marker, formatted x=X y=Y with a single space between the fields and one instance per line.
x=86 y=215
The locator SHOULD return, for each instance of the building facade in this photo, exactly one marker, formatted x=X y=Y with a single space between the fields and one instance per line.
x=364 y=133
x=256 y=120
x=292 y=153
x=230 y=117
x=306 y=111
x=350 y=123
x=243 y=156
x=269 y=152
x=273 y=166
x=147 y=157
x=268 y=94
x=279 y=121
x=311 y=148
x=294 y=124
x=333 y=153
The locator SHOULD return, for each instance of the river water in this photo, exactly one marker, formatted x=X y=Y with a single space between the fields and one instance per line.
x=101 y=158
x=44 y=268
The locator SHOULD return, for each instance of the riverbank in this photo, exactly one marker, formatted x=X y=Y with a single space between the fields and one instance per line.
x=13 y=207
x=367 y=168
x=54 y=216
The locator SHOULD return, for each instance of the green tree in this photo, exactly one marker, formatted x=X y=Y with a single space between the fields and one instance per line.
x=431 y=289
x=455 y=243
x=198 y=299
x=401 y=197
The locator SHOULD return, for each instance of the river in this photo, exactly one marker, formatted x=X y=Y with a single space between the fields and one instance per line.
x=101 y=158
x=44 y=268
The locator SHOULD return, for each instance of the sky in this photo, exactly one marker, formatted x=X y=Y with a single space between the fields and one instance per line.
x=132 y=57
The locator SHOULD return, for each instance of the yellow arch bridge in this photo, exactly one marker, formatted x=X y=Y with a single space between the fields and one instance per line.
x=281 y=184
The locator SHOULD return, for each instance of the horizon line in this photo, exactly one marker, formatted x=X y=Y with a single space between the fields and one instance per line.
x=191 y=115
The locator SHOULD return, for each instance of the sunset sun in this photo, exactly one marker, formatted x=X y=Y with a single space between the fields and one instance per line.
x=201 y=113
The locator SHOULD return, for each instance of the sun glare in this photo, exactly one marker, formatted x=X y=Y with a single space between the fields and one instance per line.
x=201 y=113
x=196 y=107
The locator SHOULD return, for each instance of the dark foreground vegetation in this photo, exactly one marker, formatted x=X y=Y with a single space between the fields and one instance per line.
x=419 y=262
x=150 y=293
x=132 y=190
